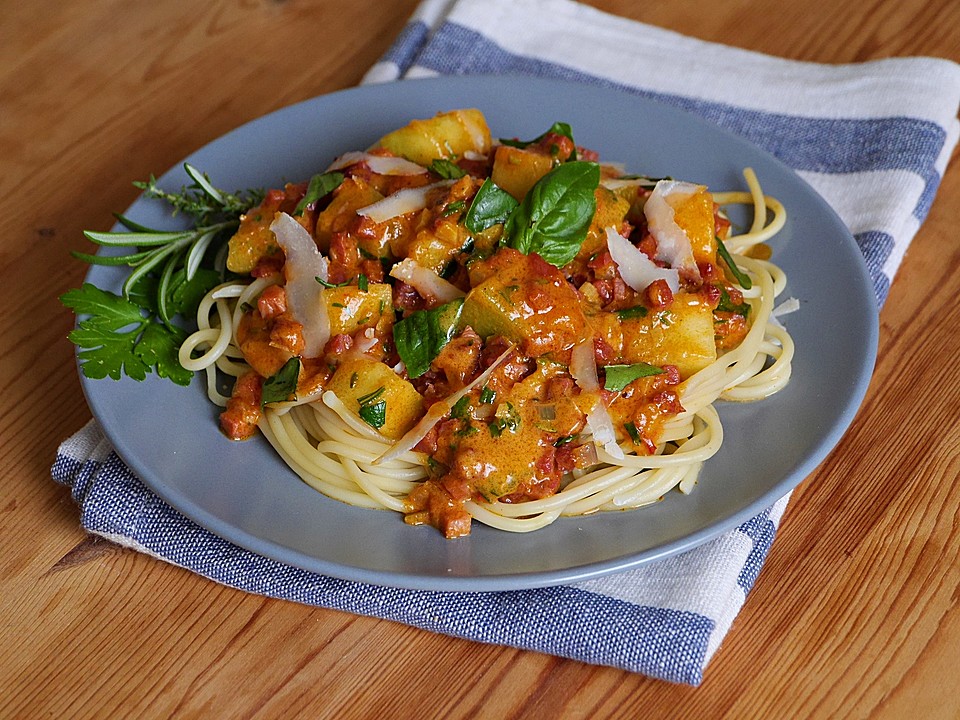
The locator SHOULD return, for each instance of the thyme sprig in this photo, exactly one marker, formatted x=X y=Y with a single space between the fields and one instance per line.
x=214 y=216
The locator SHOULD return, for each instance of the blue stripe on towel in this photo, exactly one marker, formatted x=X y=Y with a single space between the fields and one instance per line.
x=659 y=642
x=824 y=145
x=409 y=42
x=876 y=247
x=761 y=531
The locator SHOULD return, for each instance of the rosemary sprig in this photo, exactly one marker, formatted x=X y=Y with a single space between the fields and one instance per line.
x=215 y=215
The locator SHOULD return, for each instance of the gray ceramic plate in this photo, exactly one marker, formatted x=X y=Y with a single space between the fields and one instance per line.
x=244 y=493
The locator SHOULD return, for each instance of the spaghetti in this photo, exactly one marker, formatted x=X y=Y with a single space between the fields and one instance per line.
x=513 y=419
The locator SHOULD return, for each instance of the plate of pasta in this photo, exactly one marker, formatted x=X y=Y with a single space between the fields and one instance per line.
x=475 y=333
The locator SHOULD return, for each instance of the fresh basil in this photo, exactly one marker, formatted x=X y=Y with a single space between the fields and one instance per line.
x=491 y=205
x=638 y=311
x=558 y=128
x=319 y=186
x=373 y=410
x=447 y=169
x=619 y=376
x=726 y=304
x=421 y=335
x=745 y=282
x=279 y=387
x=556 y=213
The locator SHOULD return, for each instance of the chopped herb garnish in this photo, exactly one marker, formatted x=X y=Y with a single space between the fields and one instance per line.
x=279 y=387
x=371 y=397
x=632 y=431
x=635 y=312
x=447 y=169
x=487 y=396
x=319 y=187
x=619 y=376
x=362 y=282
x=330 y=284
x=461 y=409
x=421 y=335
x=727 y=305
x=453 y=208
x=374 y=415
x=558 y=128
x=565 y=440
x=506 y=418
x=745 y=282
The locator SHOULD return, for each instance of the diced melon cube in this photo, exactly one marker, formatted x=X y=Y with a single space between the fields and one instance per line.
x=694 y=214
x=517 y=170
x=358 y=379
x=446 y=135
x=351 y=309
x=681 y=335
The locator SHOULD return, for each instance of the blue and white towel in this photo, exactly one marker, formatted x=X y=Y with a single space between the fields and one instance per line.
x=872 y=138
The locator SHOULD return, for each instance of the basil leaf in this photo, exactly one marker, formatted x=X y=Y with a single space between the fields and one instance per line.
x=320 y=186
x=726 y=304
x=619 y=376
x=745 y=282
x=281 y=386
x=491 y=205
x=558 y=128
x=373 y=410
x=447 y=169
x=375 y=414
x=421 y=336
x=556 y=213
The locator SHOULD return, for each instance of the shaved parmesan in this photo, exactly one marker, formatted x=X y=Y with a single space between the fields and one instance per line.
x=636 y=269
x=400 y=202
x=426 y=282
x=380 y=164
x=788 y=306
x=673 y=245
x=583 y=368
x=303 y=265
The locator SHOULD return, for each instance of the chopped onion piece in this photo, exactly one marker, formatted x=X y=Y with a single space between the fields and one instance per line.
x=583 y=367
x=400 y=203
x=380 y=164
x=303 y=265
x=425 y=281
x=636 y=269
x=436 y=412
x=673 y=245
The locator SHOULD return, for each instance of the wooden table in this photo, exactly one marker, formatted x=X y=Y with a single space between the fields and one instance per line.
x=855 y=614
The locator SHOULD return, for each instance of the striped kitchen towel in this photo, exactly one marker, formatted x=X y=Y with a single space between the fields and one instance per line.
x=872 y=138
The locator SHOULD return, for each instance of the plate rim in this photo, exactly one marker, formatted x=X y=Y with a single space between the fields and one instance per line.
x=506 y=581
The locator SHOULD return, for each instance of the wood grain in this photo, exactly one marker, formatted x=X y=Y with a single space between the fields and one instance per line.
x=854 y=615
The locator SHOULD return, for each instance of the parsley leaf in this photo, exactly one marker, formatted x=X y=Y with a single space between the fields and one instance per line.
x=116 y=338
